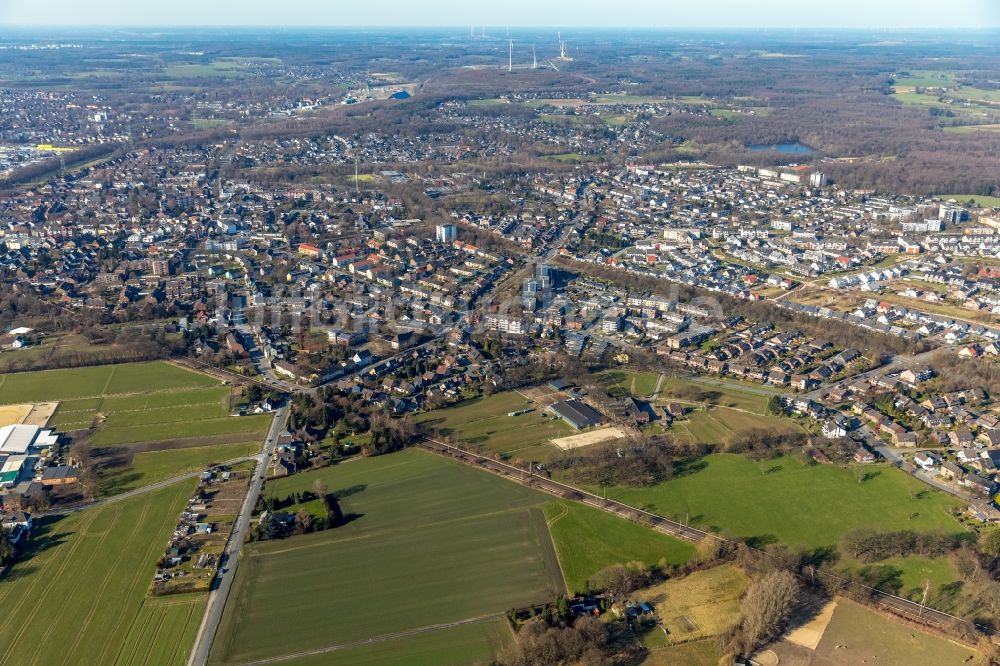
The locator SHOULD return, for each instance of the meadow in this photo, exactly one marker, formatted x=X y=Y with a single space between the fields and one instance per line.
x=638 y=384
x=789 y=502
x=482 y=423
x=700 y=605
x=80 y=594
x=588 y=540
x=428 y=541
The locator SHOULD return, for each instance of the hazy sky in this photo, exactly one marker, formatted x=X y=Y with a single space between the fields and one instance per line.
x=512 y=13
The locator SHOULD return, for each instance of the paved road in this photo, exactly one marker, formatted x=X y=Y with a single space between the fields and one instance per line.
x=73 y=508
x=230 y=556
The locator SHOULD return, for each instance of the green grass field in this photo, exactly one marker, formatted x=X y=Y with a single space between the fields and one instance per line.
x=431 y=542
x=474 y=643
x=143 y=406
x=982 y=200
x=717 y=425
x=152 y=466
x=795 y=504
x=720 y=393
x=81 y=595
x=638 y=384
x=143 y=402
x=246 y=427
x=927 y=79
x=220 y=67
x=588 y=540
x=483 y=423
x=97 y=381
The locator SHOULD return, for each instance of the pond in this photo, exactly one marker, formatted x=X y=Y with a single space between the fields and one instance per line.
x=794 y=148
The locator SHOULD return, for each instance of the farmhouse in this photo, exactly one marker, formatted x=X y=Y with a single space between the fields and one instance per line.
x=578 y=414
x=60 y=475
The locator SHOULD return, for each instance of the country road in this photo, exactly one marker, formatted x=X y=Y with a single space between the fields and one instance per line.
x=230 y=556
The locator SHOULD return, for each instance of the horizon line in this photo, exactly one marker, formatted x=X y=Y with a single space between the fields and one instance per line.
x=454 y=26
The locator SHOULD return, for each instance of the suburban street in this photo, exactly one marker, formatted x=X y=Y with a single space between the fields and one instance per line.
x=230 y=557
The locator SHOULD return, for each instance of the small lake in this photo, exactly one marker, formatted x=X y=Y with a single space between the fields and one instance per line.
x=792 y=148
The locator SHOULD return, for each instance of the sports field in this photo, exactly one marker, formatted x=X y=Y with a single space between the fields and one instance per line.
x=429 y=541
x=588 y=540
x=787 y=501
x=483 y=423
x=80 y=596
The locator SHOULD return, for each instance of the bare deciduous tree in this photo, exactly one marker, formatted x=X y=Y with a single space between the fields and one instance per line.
x=766 y=606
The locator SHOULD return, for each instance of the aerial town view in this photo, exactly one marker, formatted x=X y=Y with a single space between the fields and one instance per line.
x=510 y=334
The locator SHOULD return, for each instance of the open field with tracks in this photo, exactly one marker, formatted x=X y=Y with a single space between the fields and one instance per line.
x=79 y=595
x=427 y=542
x=144 y=421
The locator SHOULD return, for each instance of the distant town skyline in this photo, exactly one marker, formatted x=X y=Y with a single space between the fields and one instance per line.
x=882 y=14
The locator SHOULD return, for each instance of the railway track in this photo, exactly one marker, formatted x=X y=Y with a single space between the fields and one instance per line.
x=899 y=605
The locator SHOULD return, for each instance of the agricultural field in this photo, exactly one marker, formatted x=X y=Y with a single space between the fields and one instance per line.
x=858 y=635
x=220 y=67
x=779 y=500
x=482 y=423
x=129 y=411
x=472 y=643
x=926 y=79
x=152 y=466
x=82 y=589
x=98 y=381
x=588 y=540
x=462 y=544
